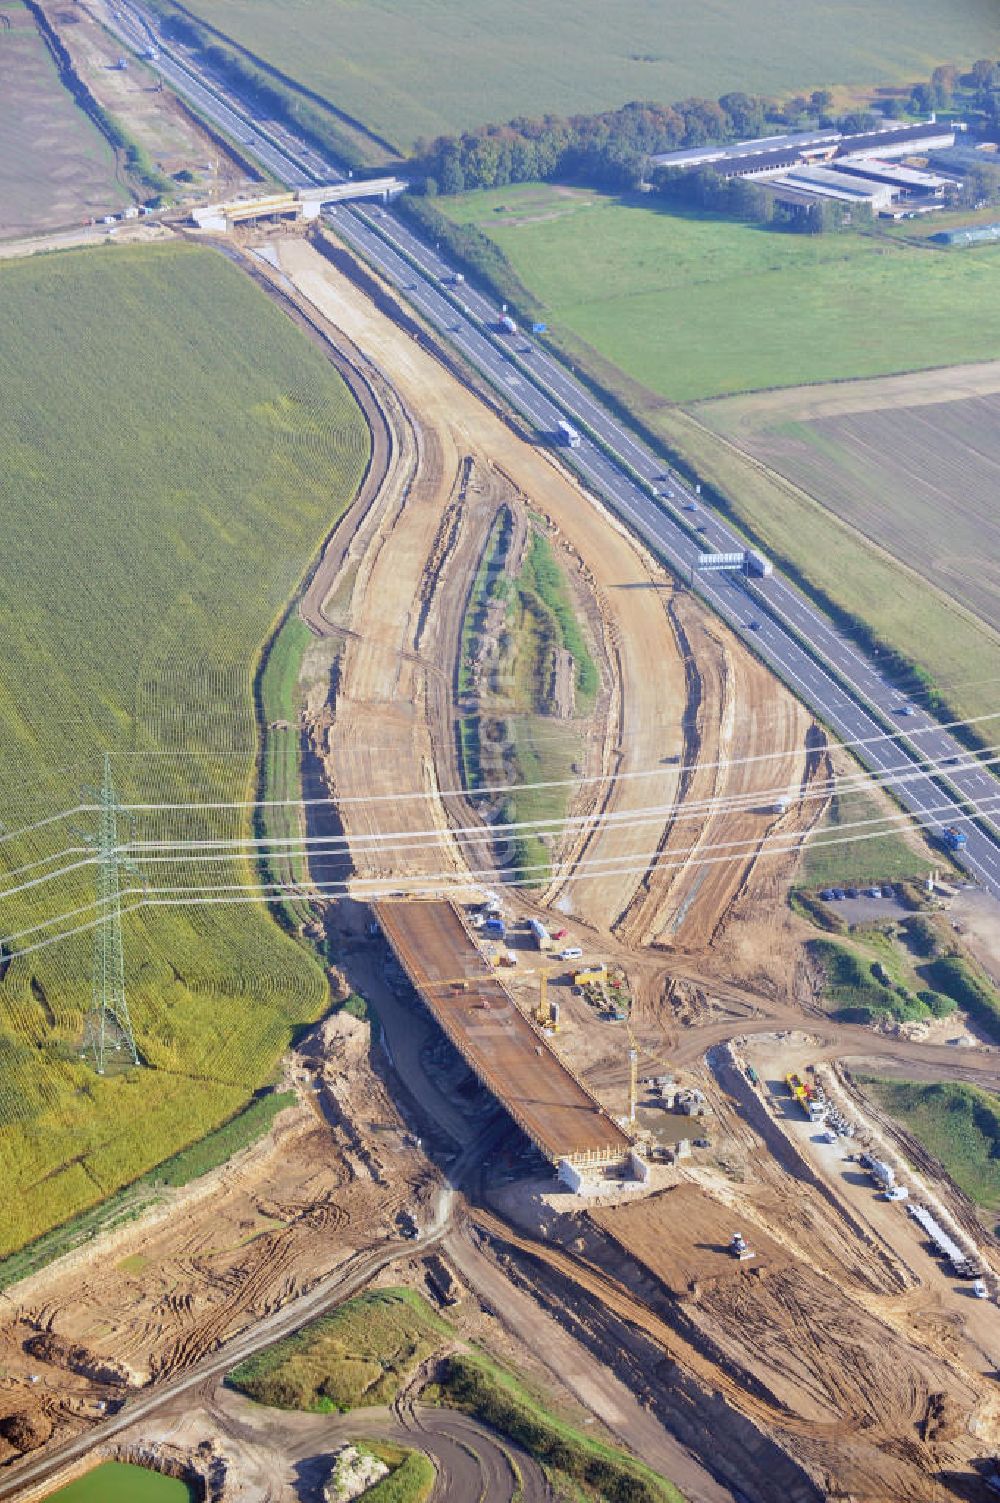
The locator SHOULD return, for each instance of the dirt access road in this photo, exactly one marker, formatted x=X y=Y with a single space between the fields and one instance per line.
x=280 y=1455
x=222 y=1256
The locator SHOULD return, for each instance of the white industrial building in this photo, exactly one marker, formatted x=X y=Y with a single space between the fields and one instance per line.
x=827 y=182
x=803 y=166
x=907 y=179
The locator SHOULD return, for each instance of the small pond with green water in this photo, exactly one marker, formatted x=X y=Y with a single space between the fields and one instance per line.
x=116 y=1482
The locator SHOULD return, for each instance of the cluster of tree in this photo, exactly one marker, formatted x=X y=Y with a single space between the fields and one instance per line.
x=609 y=150
x=980 y=187
x=612 y=150
x=979 y=88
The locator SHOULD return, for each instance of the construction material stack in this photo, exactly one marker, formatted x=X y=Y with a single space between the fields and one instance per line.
x=811 y=1098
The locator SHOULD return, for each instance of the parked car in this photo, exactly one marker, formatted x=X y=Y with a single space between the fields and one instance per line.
x=572 y=952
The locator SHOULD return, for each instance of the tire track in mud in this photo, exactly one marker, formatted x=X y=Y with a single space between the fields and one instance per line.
x=696 y=1398
x=270 y=1263
x=799 y=824
x=601 y=802
x=708 y=726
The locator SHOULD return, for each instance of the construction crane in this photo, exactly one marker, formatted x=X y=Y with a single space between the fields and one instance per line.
x=542 y=1016
x=633 y=1071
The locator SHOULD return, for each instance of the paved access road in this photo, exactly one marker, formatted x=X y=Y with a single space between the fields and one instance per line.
x=842 y=686
x=132 y=24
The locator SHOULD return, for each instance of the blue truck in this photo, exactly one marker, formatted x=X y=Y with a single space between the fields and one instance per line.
x=952 y=839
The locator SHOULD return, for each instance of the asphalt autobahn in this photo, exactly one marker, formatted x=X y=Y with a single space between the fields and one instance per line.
x=843 y=687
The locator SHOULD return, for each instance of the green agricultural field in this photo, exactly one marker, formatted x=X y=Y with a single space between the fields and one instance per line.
x=174 y=451
x=375 y=62
x=958 y=1124
x=661 y=308
x=56 y=169
x=916 y=475
x=691 y=305
x=940 y=635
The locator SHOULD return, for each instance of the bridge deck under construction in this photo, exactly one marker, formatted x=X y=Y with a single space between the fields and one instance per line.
x=510 y=1056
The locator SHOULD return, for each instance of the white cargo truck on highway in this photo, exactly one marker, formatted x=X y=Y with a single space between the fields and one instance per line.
x=756 y=564
x=506 y=324
x=567 y=434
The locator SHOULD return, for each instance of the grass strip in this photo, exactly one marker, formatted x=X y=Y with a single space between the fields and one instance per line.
x=833 y=862
x=959 y=1124
x=358 y=1355
x=119 y=1209
x=971 y=990
x=542 y=571
x=247 y=1127
x=278 y=697
x=411 y=1479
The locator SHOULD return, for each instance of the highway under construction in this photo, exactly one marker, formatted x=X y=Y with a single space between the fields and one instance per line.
x=500 y=1045
x=755 y=1319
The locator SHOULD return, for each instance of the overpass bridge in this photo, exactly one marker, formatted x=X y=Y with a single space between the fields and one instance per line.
x=509 y=1055
x=301 y=203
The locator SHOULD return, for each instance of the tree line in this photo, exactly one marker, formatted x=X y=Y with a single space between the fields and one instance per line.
x=612 y=149
x=978 y=90
x=607 y=150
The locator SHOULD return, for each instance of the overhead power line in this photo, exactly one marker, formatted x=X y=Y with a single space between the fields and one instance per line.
x=410 y=795
x=590 y=868
x=178 y=850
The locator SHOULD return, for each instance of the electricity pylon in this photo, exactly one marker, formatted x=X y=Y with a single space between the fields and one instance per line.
x=108 y=1023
